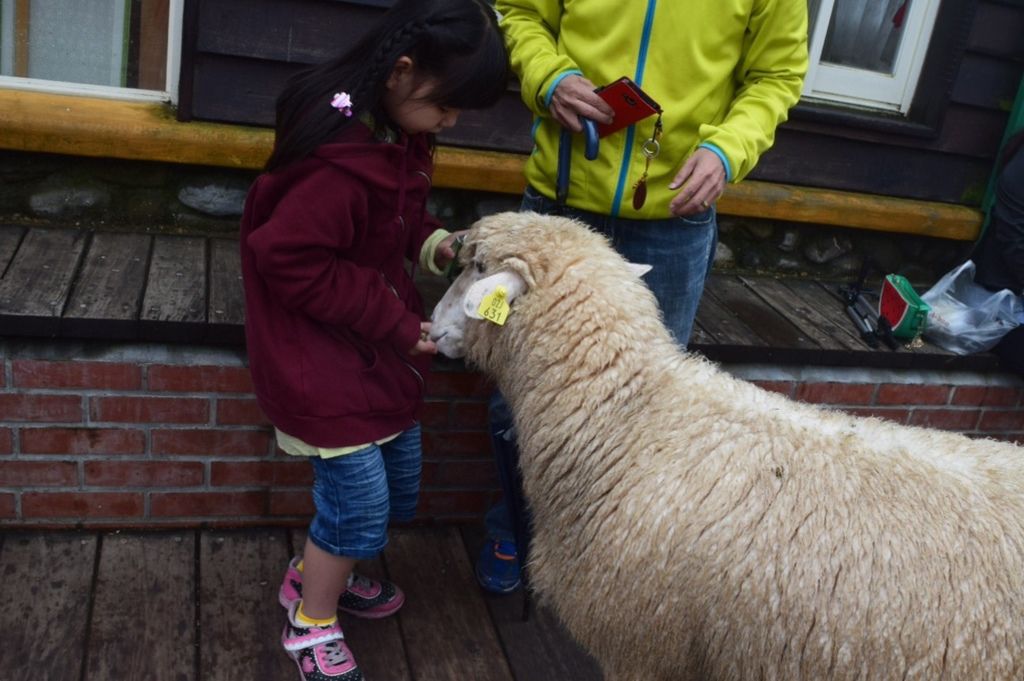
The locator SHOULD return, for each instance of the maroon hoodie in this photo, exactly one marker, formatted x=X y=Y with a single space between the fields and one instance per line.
x=331 y=310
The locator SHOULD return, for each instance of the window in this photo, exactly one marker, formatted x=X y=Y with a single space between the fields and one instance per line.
x=868 y=53
x=115 y=48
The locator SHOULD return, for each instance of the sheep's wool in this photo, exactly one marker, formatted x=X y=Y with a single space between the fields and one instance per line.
x=690 y=525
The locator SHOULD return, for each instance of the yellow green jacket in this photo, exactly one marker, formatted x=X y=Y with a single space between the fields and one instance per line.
x=725 y=73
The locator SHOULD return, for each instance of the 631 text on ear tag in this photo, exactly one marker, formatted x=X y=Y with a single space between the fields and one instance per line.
x=494 y=307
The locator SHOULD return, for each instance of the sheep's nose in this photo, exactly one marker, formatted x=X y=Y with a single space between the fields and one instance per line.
x=437 y=336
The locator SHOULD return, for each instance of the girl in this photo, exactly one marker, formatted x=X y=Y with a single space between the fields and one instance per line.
x=337 y=343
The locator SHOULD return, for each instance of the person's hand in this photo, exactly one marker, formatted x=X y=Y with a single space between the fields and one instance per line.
x=575 y=97
x=424 y=346
x=445 y=252
x=702 y=179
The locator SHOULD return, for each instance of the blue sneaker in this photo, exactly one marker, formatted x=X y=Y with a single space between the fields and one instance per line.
x=497 y=569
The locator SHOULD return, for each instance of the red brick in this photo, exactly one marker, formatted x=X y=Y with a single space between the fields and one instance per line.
x=887 y=413
x=435 y=414
x=986 y=396
x=278 y=474
x=166 y=504
x=210 y=442
x=150 y=409
x=469 y=416
x=143 y=473
x=1002 y=420
x=8 y=510
x=912 y=394
x=781 y=387
x=82 y=441
x=81 y=505
x=444 y=502
x=460 y=444
x=835 y=393
x=473 y=474
x=459 y=384
x=193 y=379
x=233 y=412
x=6 y=441
x=38 y=474
x=41 y=408
x=429 y=473
x=91 y=375
x=946 y=419
x=291 y=503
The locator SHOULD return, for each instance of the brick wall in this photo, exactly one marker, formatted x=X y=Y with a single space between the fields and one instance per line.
x=142 y=436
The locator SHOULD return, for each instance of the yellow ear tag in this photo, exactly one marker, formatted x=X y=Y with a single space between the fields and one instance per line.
x=494 y=307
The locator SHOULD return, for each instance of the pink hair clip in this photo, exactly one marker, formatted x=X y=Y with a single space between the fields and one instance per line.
x=343 y=103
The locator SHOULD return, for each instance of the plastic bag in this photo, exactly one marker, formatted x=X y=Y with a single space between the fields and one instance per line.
x=966 y=317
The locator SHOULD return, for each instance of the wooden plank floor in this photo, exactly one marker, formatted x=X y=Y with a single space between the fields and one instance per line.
x=124 y=286
x=202 y=606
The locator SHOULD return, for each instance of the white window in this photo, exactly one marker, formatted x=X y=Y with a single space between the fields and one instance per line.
x=125 y=49
x=868 y=53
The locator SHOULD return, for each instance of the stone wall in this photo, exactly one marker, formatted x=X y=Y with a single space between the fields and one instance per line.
x=109 y=194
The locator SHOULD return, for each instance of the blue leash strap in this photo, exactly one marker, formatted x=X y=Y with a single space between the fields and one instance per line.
x=591 y=141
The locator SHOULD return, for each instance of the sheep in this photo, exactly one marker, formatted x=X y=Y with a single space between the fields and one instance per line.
x=690 y=525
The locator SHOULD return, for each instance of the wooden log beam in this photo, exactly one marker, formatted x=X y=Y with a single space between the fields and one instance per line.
x=83 y=126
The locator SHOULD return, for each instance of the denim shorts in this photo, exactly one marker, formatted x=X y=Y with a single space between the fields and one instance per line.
x=357 y=494
x=680 y=251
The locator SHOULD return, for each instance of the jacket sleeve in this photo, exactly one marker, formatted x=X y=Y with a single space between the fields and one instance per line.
x=770 y=74
x=298 y=252
x=531 y=33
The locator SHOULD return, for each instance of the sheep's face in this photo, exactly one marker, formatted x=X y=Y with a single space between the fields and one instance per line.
x=509 y=255
x=477 y=296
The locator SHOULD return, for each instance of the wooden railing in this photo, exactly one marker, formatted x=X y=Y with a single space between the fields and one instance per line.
x=81 y=126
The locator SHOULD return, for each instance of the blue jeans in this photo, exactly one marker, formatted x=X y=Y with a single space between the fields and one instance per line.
x=357 y=494
x=680 y=252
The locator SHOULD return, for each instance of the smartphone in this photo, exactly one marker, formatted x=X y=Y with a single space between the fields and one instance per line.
x=630 y=103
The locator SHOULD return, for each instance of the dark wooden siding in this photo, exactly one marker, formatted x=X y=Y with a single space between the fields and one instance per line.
x=238 y=54
x=949 y=161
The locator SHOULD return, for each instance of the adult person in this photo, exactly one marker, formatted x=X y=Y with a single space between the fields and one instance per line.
x=724 y=72
x=999 y=255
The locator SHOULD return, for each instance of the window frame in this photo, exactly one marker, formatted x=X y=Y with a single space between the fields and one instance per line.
x=833 y=83
x=170 y=94
x=924 y=116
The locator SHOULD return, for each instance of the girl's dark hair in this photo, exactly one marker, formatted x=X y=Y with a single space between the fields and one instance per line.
x=456 y=43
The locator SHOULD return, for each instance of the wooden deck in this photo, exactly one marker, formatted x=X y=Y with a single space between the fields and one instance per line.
x=202 y=606
x=129 y=286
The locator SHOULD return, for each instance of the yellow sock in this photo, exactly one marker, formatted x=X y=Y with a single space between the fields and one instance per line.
x=302 y=618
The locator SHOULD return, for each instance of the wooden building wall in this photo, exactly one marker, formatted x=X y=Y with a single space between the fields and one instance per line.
x=238 y=53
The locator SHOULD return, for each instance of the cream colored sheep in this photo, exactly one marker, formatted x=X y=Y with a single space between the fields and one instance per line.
x=689 y=525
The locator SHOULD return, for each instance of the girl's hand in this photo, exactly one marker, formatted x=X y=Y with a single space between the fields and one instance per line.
x=446 y=252
x=424 y=346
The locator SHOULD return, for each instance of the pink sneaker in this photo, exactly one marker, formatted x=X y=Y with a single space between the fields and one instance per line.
x=364 y=597
x=320 y=653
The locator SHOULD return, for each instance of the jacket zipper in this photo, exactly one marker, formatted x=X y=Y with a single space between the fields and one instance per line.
x=638 y=77
x=419 y=376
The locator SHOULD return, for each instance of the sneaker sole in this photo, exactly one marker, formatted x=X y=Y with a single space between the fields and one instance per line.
x=494 y=588
x=394 y=607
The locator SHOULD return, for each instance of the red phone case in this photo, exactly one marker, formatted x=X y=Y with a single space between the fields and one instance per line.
x=630 y=103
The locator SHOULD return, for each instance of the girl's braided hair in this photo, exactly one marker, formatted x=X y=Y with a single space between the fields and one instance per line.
x=456 y=43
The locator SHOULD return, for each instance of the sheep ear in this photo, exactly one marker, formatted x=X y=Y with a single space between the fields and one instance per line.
x=511 y=281
x=638 y=269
